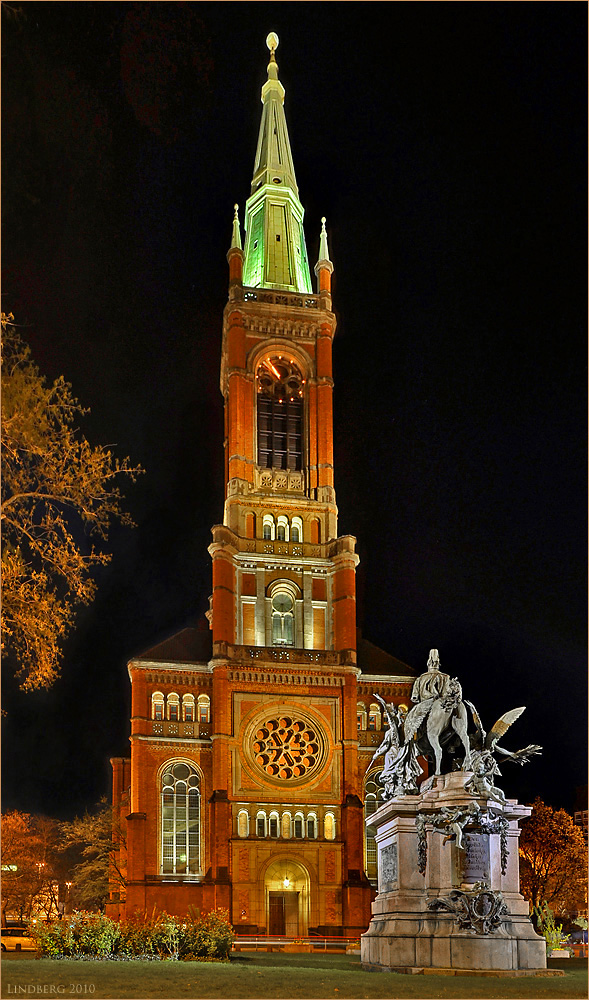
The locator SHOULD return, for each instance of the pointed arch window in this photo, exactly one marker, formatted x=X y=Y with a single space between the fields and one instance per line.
x=180 y=819
x=280 y=392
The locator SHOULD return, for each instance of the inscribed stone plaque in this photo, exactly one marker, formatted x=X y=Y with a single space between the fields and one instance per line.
x=477 y=862
x=388 y=868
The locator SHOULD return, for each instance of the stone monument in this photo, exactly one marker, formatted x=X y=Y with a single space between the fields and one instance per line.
x=448 y=864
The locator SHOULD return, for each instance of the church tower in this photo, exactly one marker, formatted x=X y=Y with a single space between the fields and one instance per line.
x=256 y=799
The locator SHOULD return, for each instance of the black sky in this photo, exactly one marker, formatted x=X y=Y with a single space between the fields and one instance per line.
x=445 y=143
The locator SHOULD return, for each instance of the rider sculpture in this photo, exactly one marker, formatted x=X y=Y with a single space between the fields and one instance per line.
x=439 y=721
x=439 y=711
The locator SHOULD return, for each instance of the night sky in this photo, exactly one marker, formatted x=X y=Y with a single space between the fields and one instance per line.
x=445 y=143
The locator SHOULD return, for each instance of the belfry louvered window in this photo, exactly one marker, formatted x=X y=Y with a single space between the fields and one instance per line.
x=180 y=817
x=280 y=389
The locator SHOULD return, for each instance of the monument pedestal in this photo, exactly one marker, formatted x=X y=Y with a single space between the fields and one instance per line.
x=442 y=906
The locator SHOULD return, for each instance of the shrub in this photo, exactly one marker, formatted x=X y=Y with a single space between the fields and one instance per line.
x=158 y=935
x=95 y=934
x=555 y=938
x=52 y=938
x=210 y=936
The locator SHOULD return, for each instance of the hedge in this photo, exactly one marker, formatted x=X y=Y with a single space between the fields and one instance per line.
x=158 y=935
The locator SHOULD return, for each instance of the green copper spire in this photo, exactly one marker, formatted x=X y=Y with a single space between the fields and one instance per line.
x=275 y=251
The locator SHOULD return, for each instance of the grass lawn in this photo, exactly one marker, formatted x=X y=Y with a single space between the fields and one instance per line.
x=276 y=976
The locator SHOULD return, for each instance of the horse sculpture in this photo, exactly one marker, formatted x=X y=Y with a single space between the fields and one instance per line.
x=439 y=720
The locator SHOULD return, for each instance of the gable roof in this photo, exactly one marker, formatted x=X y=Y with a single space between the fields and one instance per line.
x=194 y=645
x=373 y=660
x=190 y=645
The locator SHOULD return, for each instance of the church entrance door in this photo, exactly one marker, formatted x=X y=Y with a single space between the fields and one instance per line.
x=276 y=921
x=286 y=893
x=283 y=913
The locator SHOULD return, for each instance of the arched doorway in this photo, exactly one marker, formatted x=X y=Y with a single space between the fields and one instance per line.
x=286 y=891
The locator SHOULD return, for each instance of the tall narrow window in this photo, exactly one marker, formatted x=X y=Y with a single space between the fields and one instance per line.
x=372 y=799
x=329 y=826
x=204 y=708
x=180 y=818
x=280 y=414
x=282 y=619
x=296 y=529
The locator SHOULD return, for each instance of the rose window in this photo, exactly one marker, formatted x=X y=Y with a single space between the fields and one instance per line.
x=288 y=747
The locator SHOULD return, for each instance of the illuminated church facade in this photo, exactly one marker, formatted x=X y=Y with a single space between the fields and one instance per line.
x=252 y=739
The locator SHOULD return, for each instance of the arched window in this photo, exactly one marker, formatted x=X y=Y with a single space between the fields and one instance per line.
x=243 y=823
x=157 y=705
x=188 y=707
x=268 y=528
x=374 y=716
x=204 y=708
x=299 y=825
x=280 y=389
x=296 y=529
x=311 y=826
x=180 y=819
x=361 y=715
x=282 y=527
x=261 y=824
x=329 y=826
x=273 y=824
x=173 y=702
x=283 y=607
x=286 y=825
x=372 y=800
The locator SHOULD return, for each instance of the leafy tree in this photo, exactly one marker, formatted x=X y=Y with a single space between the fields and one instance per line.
x=32 y=865
x=57 y=491
x=553 y=860
x=101 y=842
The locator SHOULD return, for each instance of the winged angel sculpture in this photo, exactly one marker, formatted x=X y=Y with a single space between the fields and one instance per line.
x=438 y=724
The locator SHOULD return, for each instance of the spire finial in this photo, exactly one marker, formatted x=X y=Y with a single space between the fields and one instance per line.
x=236 y=234
x=272 y=43
x=323 y=248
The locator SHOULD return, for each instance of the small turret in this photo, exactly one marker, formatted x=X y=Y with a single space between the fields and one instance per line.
x=235 y=253
x=324 y=267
